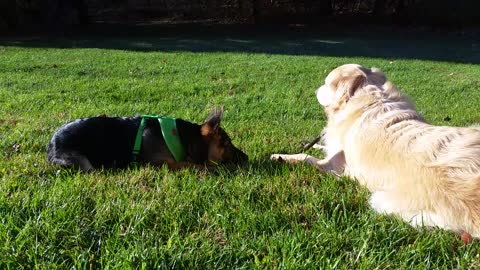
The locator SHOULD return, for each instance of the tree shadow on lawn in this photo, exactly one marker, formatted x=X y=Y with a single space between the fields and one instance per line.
x=387 y=43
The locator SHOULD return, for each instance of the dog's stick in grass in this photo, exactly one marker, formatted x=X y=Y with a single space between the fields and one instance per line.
x=313 y=144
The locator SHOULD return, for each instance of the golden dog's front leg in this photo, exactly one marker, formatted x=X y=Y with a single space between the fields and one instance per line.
x=336 y=163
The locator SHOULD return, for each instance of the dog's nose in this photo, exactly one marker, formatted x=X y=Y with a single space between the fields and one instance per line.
x=240 y=157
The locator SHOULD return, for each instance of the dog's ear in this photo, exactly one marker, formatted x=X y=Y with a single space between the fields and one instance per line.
x=212 y=123
x=348 y=85
x=358 y=82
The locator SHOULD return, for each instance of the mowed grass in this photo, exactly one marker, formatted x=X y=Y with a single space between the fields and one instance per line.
x=264 y=215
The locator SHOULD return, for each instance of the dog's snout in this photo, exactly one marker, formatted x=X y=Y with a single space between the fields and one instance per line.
x=241 y=156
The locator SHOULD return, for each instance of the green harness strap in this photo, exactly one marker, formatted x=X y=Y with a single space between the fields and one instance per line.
x=168 y=125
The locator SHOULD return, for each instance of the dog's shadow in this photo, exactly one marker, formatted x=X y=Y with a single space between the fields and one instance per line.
x=263 y=166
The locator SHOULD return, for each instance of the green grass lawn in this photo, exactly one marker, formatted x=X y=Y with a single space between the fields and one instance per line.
x=264 y=215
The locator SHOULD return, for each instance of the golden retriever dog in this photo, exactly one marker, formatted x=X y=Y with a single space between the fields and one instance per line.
x=427 y=175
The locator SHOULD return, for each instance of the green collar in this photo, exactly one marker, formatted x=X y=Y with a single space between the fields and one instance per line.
x=168 y=125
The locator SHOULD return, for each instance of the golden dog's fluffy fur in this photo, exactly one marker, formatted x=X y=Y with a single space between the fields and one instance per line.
x=428 y=175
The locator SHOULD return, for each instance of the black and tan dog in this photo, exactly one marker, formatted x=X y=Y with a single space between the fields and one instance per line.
x=109 y=142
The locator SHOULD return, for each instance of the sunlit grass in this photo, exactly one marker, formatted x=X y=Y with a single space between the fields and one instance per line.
x=264 y=215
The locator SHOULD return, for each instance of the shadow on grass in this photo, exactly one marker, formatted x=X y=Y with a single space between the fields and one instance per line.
x=320 y=40
x=262 y=165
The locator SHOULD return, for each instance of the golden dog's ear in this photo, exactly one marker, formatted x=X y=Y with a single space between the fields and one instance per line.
x=348 y=85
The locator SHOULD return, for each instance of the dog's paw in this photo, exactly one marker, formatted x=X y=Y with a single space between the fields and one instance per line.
x=292 y=159
x=319 y=146
x=276 y=157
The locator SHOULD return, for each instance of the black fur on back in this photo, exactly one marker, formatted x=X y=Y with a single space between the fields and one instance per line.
x=104 y=141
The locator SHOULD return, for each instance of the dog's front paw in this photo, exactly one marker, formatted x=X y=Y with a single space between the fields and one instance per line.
x=276 y=157
x=293 y=159
x=319 y=147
